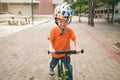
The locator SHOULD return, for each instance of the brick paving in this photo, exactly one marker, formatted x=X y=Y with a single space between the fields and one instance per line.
x=23 y=55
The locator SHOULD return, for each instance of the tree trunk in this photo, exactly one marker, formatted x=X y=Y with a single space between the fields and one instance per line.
x=108 y=11
x=113 y=7
x=89 y=20
x=79 y=14
x=91 y=12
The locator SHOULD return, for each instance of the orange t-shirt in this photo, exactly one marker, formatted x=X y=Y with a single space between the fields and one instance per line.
x=61 y=42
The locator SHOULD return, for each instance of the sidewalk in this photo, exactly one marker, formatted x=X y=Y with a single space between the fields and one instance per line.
x=100 y=60
x=105 y=34
x=6 y=29
x=23 y=55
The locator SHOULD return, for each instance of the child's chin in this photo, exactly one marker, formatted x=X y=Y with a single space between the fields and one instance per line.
x=62 y=28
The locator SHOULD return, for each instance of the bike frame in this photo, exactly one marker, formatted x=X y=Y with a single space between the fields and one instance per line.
x=63 y=70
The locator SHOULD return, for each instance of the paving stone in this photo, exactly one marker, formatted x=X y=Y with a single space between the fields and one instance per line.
x=24 y=54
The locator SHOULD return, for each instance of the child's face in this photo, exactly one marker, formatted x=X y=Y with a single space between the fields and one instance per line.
x=62 y=23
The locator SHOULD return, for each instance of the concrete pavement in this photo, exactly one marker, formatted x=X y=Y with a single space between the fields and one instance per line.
x=6 y=29
x=100 y=61
x=24 y=54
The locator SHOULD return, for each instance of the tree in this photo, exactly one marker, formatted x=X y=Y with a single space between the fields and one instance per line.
x=91 y=9
x=110 y=4
x=79 y=6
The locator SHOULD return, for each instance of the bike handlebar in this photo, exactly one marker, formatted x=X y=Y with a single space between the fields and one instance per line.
x=67 y=51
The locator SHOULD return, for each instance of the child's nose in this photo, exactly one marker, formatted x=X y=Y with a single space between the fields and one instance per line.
x=63 y=24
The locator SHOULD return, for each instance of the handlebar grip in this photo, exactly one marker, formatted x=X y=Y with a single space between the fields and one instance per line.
x=67 y=51
x=82 y=51
x=48 y=52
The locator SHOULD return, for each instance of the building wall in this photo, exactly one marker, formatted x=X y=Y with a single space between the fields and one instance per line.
x=18 y=6
x=19 y=1
x=4 y=7
x=57 y=1
x=117 y=12
x=45 y=7
x=101 y=12
x=24 y=9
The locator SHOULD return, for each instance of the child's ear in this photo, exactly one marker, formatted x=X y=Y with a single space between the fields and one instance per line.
x=56 y=21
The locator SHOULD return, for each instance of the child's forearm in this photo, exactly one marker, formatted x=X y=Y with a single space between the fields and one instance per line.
x=76 y=45
x=51 y=46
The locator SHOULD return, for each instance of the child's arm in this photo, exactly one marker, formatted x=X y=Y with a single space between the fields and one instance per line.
x=76 y=45
x=51 y=49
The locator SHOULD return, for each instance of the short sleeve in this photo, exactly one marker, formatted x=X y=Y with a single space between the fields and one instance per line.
x=51 y=35
x=73 y=36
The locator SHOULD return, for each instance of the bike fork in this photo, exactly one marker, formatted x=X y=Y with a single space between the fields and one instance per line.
x=60 y=70
x=66 y=68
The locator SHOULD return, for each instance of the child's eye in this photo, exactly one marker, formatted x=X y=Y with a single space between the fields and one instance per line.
x=60 y=21
x=65 y=22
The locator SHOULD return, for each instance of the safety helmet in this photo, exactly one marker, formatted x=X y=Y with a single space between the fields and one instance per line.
x=63 y=12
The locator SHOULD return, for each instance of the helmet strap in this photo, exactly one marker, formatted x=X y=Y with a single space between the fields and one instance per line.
x=62 y=30
x=69 y=21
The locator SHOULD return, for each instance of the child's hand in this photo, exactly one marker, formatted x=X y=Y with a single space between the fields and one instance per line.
x=77 y=50
x=52 y=50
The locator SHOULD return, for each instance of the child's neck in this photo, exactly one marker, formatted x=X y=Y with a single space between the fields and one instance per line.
x=62 y=31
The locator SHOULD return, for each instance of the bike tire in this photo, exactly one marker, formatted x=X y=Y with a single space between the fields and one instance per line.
x=60 y=71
